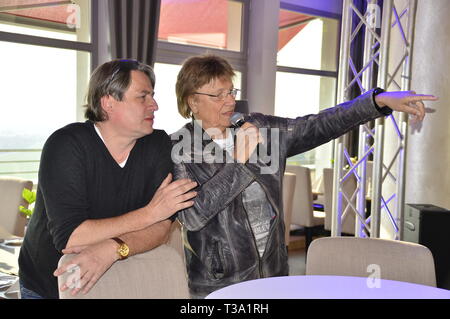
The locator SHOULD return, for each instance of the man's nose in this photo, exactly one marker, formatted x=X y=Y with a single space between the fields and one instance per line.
x=152 y=103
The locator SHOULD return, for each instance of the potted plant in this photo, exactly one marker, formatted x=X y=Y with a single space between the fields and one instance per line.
x=30 y=198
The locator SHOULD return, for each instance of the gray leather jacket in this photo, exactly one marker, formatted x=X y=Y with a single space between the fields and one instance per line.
x=219 y=243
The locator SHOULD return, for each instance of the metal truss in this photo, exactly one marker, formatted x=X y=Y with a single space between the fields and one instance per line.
x=378 y=26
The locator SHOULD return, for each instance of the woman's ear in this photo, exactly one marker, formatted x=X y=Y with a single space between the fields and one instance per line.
x=192 y=103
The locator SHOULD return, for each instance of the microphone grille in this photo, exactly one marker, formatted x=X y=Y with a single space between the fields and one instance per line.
x=237 y=119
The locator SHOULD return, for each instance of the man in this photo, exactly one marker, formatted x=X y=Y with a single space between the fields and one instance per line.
x=98 y=184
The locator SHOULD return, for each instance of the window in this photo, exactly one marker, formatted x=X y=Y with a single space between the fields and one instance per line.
x=208 y=23
x=188 y=28
x=307 y=42
x=47 y=18
x=306 y=73
x=45 y=69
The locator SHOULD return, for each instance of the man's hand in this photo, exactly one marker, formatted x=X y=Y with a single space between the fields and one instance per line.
x=91 y=262
x=247 y=139
x=405 y=101
x=171 y=197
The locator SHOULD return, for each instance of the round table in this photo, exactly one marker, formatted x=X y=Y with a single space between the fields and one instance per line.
x=327 y=287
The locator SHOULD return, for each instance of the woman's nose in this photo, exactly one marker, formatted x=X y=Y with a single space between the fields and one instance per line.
x=230 y=98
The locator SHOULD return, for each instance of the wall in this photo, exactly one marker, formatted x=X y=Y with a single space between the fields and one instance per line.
x=428 y=173
x=428 y=147
x=262 y=55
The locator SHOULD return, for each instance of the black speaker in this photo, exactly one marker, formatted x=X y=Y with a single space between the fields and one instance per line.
x=429 y=225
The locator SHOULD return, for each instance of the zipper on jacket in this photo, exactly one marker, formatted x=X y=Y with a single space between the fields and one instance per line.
x=261 y=274
x=276 y=221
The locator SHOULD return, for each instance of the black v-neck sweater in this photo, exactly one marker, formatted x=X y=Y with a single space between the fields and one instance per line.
x=79 y=180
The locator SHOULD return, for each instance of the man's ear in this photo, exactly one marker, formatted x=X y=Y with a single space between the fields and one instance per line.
x=106 y=103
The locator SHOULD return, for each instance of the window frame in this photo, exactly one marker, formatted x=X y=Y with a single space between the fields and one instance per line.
x=319 y=14
x=315 y=72
x=176 y=53
x=92 y=48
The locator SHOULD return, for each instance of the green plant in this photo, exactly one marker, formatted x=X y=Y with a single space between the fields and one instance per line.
x=30 y=197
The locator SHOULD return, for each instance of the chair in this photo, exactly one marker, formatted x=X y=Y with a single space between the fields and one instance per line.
x=303 y=213
x=348 y=221
x=288 y=197
x=353 y=256
x=157 y=274
x=317 y=187
x=11 y=220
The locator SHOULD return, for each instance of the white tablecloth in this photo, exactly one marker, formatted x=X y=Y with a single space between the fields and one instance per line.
x=328 y=287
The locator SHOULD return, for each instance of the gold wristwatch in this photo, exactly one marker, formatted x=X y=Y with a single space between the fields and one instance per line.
x=123 y=249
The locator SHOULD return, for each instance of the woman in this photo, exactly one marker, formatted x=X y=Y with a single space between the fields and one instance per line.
x=235 y=230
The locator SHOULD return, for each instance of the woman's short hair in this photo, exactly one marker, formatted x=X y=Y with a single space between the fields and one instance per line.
x=112 y=78
x=196 y=72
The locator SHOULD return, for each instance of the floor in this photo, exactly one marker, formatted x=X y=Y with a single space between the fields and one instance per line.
x=296 y=253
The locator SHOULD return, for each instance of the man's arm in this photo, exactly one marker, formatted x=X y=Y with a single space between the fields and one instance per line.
x=94 y=260
x=92 y=241
x=168 y=199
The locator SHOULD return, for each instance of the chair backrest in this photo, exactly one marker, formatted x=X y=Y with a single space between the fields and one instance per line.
x=11 y=220
x=302 y=207
x=288 y=197
x=361 y=257
x=157 y=274
x=348 y=222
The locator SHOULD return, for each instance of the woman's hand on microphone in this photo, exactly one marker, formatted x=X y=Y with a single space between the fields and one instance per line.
x=247 y=139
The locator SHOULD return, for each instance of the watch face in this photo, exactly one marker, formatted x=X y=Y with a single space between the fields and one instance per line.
x=124 y=250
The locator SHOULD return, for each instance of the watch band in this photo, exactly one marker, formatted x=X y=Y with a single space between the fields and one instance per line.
x=118 y=240
x=386 y=110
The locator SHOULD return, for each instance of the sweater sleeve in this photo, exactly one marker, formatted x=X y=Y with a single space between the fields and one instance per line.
x=62 y=182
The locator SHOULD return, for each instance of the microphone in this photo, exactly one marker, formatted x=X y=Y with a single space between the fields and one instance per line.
x=237 y=119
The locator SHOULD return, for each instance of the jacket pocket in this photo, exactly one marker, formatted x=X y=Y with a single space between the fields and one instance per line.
x=217 y=261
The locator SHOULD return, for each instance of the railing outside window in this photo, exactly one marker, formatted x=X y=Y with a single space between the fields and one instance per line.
x=22 y=163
